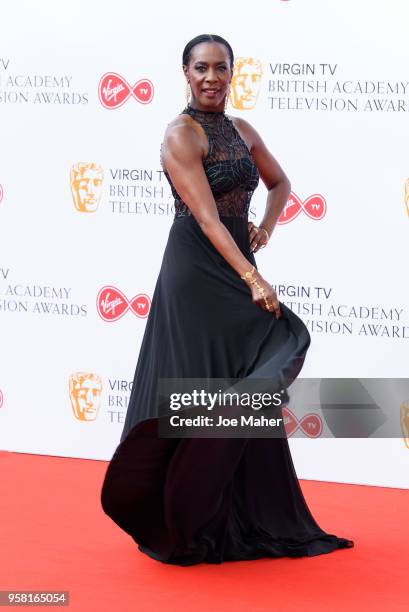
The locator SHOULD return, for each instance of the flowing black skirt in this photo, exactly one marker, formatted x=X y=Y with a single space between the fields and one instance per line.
x=193 y=500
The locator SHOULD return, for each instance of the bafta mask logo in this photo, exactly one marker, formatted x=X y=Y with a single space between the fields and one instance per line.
x=406 y=196
x=404 y=421
x=86 y=186
x=85 y=395
x=245 y=84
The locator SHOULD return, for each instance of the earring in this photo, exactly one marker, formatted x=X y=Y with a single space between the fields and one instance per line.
x=187 y=93
x=226 y=100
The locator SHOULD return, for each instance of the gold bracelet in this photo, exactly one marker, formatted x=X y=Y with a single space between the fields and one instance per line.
x=263 y=228
x=249 y=276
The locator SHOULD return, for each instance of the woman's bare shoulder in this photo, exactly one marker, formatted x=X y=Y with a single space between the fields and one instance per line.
x=183 y=121
x=184 y=131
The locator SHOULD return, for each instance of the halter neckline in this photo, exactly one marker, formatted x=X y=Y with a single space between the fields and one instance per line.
x=203 y=112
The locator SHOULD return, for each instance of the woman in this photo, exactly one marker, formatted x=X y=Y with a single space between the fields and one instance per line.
x=191 y=500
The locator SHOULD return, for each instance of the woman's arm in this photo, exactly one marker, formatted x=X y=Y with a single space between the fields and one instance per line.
x=271 y=173
x=182 y=153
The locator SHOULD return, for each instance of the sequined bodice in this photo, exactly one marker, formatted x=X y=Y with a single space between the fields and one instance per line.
x=229 y=167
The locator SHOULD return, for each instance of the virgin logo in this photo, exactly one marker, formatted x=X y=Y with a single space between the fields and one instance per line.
x=314 y=207
x=310 y=424
x=112 y=304
x=114 y=90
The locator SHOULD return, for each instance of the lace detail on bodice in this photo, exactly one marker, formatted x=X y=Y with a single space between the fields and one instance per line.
x=229 y=167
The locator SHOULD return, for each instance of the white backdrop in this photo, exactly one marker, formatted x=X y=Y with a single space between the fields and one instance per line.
x=331 y=101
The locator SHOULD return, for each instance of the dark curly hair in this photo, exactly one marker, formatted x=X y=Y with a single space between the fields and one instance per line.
x=206 y=38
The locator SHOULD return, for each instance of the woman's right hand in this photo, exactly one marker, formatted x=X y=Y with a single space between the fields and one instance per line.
x=269 y=295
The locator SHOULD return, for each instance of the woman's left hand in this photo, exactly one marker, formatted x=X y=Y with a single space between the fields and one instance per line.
x=258 y=236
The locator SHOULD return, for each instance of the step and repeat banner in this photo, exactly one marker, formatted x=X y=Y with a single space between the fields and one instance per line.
x=86 y=92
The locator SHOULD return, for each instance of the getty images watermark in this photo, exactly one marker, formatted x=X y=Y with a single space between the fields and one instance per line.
x=266 y=408
x=208 y=401
x=220 y=408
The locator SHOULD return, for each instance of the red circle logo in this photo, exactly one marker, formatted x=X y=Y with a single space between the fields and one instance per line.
x=114 y=90
x=112 y=304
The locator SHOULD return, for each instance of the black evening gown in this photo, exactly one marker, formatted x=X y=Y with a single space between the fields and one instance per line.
x=193 y=500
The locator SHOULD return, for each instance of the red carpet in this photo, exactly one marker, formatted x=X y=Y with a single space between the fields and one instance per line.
x=55 y=536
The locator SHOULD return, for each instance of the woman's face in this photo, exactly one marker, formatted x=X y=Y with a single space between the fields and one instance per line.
x=209 y=75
